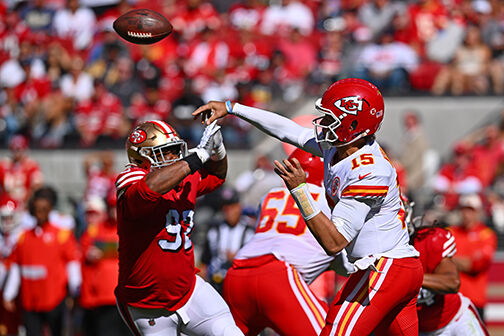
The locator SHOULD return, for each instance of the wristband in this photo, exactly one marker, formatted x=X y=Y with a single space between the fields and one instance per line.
x=229 y=107
x=305 y=201
x=194 y=162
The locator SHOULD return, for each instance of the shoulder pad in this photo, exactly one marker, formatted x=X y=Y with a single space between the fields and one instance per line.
x=129 y=176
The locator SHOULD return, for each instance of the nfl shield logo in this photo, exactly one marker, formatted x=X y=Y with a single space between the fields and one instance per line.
x=335 y=186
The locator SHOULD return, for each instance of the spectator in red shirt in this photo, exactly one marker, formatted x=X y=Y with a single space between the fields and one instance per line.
x=101 y=115
x=44 y=262
x=99 y=272
x=476 y=245
x=489 y=155
x=456 y=177
x=19 y=174
x=300 y=52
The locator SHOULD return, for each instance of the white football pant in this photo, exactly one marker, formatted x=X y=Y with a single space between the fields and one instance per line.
x=466 y=322
x=205 y=314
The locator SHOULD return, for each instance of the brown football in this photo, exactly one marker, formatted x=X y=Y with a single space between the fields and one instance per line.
x=142 y=26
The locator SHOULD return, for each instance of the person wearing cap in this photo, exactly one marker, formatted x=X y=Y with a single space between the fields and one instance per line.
x=100 y=267
x=226 y=237
x=19 y=174
x=45 y=269
x=457 y=176
x=476 y=245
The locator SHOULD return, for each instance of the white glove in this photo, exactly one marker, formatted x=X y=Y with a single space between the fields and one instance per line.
x=219 y=150
x=206 y=145
x=365 y=263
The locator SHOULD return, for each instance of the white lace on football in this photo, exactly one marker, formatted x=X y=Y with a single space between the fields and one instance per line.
x=139 y=35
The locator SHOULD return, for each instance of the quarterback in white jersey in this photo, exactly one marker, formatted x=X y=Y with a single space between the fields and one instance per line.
x=267 y=286
x=367 y=214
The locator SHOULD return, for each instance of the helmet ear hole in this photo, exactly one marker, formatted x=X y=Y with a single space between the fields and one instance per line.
x=353 y=125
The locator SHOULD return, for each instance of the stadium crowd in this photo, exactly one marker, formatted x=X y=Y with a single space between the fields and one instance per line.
x=67 y=80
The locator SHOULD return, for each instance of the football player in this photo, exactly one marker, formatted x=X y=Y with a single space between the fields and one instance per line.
x=267 y=286
x=158 y=291
x=10 y=230
x=442 y=310
x=366 y=209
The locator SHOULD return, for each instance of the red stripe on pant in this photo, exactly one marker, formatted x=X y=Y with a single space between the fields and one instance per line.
x=480 y=321
x=381 y=303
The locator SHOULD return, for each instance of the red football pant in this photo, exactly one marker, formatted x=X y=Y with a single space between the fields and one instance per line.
x=382 y=302
x=266 y=292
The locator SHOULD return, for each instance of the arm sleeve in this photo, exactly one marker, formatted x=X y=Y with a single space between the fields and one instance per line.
x=74 y=277
x=349 y=216
x=11 y=289
x=279 y=127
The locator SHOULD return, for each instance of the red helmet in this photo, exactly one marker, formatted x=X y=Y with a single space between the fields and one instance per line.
x=353 y=108
x=311 y=164
x=9 y=214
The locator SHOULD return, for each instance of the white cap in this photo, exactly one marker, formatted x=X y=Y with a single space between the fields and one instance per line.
x=482 y=6
x=470 y=201
x=95 y=203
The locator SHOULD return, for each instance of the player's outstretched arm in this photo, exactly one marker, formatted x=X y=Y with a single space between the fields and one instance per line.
x=445 y=278
x=322 y=228
x=165 y=179
x=270 y=123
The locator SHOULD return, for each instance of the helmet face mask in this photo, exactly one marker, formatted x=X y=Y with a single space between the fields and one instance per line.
x=155 y=144
x=326 y=125
x=352 y=108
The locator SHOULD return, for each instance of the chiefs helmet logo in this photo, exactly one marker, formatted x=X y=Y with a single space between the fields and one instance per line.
x=350 y=105
x=138 y=136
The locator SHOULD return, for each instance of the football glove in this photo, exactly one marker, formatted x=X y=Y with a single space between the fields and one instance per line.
x=219 y=150
x=206 y=145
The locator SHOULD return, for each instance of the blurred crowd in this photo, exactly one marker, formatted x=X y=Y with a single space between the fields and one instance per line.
x=68 y=80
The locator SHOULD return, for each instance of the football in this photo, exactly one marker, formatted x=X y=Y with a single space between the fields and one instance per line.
x=142 y=26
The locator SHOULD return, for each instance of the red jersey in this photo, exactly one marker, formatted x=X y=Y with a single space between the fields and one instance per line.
x=434 y=244
x=99 y=278
x=156 y=256
x=19 y=178
x=479 y=244
x=42 y=255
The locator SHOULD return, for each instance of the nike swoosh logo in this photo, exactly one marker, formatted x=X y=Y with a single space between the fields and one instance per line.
x=362 y=176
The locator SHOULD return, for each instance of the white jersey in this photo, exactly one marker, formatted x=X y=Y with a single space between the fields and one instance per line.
x=281 y=231
x=365 y=185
